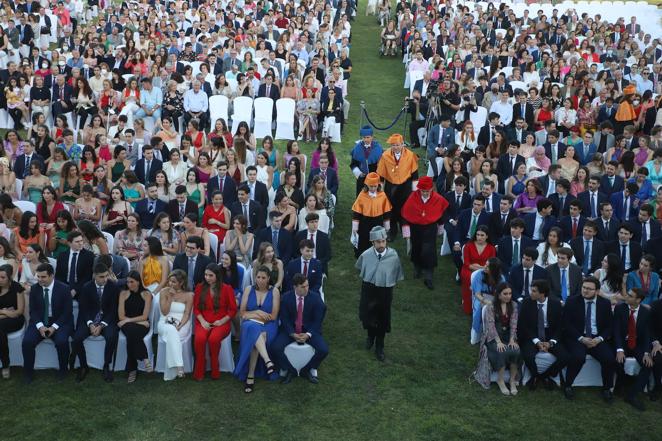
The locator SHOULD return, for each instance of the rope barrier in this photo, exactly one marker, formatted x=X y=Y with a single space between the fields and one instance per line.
x=394 y=122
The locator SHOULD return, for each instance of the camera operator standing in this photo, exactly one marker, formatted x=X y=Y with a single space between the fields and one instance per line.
x=449 y=102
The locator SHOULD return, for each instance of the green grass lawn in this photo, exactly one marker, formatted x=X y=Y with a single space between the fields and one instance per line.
x=421 y=392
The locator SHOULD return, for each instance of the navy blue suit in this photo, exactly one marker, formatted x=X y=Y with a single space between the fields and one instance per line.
x=314 y=310
x=494 y=203
x=155 y=167
x=322 y=246
x=453 y=210
x=331 y=179
x=585 y=159
x=585 y=199
x=314 y=274
x=516 y=279
x=530 y=224
x=612 y=234
x=146 y=216
x=559 y=211
x=566 y=225
x=643 y=342
x=458 y=233
x=19 y=165
x=654 y=230
x=505 y=250
x=229 y=190
x=597 y=252
x=284 y=246
x=607 y=188
x=617 y=202
x=62 y=316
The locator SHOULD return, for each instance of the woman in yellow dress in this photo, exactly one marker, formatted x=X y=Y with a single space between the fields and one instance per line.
x=154 y=266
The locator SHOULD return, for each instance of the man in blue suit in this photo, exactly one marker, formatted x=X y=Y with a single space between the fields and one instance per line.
x=279 y=237
x=644 y=227
x=461 y=231
x=610 y=182
x=523 y=274
x=307 y=265
x=492 y=198
x=301 y=315
x=223 y=183
x=538 y=224
x=23 y=161
x=511 y=248
x=592 y=198
x=147 y=166
x=554 y=149
x=62 y=93
x=149 y=207
x=51 y=316
x=97 y=316
x=322 y=249
x=440 y=137
x=573 y=224
x=624 y=203
x=329 y=175
x=586 y=149
x=562 y=198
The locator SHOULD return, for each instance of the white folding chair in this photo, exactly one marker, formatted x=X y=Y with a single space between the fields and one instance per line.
x=518 y=85
x=285 y=108
x=26 y=206
x=264 y=108
x=213 y=244
x=233 y=84
x=225 y=356
x=478 y=118
x=218 y=108
x=19 y=188
x=243 y=111
x=110 y=240
x=15 y=341
x=331 y=128
x=46 y=355
x=195 y=65
x=121 y=355
x=299 y=355
x=413 y=77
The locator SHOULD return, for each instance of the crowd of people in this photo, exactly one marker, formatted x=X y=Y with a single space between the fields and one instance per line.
x=551 y=203
x=127 y=211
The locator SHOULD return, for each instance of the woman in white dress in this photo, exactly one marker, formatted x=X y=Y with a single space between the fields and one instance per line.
x=33 y=257
x=265 y=172
x=612 y=279
x=175 y=323
x=314 y=205
x=547 y=250
x=175 y=169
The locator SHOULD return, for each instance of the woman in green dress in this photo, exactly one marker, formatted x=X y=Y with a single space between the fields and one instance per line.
x=55 y=164
x=118 y=164
x=70 y=183
x=35 y=182
x=57 y=238
x=195 y=190
x=133 y=190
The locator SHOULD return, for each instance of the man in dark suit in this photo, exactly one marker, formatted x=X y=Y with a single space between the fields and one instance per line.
x=565 y=277
x=61 y=100
x=548 y=181
x=97 y=316
x=193 y=261
x=440 y=137
x=23 y=161
x=257 y=190
x=654 y=248
x=629 y=250
x=520 y=131
x=73 y=265
x=538 y=224
x=624 y=203
x=147 y=166
x=572 y=224
x=223 y=183
x=486 y=133
x=51 y=316
x=587 y=324
x=492 y=198
x=522 y=275
x=607 y=224
x=524 y=110
x=181 y=205
x=322 y=250
x=301 y=314
x=610 y=182
x=327 y=173
x=279 y=237
x=592 y=198
x=645 y=227
x=268 y=89
x=656 y=346
x=305 y=264
x=632 y=331
x=508 y=163
x=539 y=329
x=458 y=199
x=511 y=248
x=554 y=149
x=562 y=198
x=585 y=150
x=251 y=210
x=461 y=231
x=588 y=250
x=500 y=220
x=149 y=207
x=607 y=112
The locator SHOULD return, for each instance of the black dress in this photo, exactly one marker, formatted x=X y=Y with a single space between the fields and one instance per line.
x=134 y=332
x=9 y=325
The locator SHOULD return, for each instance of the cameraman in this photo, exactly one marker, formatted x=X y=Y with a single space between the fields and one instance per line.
x=467 y=105
x=449 y=101
x=417 y=107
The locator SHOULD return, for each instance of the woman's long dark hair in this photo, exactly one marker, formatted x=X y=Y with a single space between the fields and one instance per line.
x=215 y=289
x=89 y=230
x=41 y=257
x=498 y=314
x=44 y=209
x=4 y=243
x=614 y=276
x=24 y=229
x=64 y=214
x=493 y=276
x=233 y=277
x=135 y=275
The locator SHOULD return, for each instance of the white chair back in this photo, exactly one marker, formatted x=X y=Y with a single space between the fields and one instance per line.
x=264 y=108
x=243 y=111
x=26 y=206
x=110 y=240
x=285 y=108
x=218 y=108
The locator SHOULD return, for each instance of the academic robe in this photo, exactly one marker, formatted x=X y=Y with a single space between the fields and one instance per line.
x=398 y=175
x=422 y=219
x=369 y=212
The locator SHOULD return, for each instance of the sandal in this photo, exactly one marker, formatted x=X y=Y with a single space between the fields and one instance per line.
x=270 y=367
x=248 y=388
x=132 y=377
x=180 y=372
x=5 y=373
x=148 y=366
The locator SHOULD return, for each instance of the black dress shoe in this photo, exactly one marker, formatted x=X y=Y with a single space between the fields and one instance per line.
x=82 y=373
x=312 y=378
x=72 y=361
x=532 y=384
x=370 y=341
x=107 y=374
x=636 y=403
x=607 y=395
x=379 y=354
x=287 y=379
x=428 y=283
x=569 y=393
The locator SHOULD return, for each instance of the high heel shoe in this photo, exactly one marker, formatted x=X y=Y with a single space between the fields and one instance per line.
x=503 y=388
x=249 y=385
x=180 y=372
x=513 y=388
x=270 y=367
x=148 y=366
x=132 y=377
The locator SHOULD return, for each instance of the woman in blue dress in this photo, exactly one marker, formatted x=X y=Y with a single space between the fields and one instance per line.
x=516 y=184
x=483 y=283
x=259 y=313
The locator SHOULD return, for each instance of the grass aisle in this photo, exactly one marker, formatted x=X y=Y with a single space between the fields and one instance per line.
x=421 y=392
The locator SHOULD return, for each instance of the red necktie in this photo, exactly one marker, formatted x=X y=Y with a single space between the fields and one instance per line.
x=305 y=268
x=298 y=325
x=632 y=332
x=574 y=228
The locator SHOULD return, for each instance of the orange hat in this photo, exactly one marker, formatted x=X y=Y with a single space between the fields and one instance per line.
x=372 y=179
x=629 y=90
x=395 y=138
x=425 y=183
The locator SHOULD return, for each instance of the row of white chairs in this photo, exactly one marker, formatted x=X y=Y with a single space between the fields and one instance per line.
x=257 y=112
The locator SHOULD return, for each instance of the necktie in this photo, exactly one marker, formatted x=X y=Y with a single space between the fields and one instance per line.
x=527 y=282
x=220 y=184
x=503 y=219
x=379 y=257
x=564 y=285
x=594 y=209
x=245 y=211
x=191 y=271
x=474 y=225
x=305 y=268
x=151 y=207
x=488 y=207
x=541 y=322
x=148 y=166
x=100 y=292
x=182 y=209
x=46 y=305
x=632 y=331
x=555 y=156
x=588 y=329
x=274 y=241
x=62 y=93
x=323 y=174
x=625 y=209
x=585 y=150
x=623 y=255
x=512 y=165
x=574 y=227
x=606 y=230
x=298 y=325
x=268 y=90
x=27 y=165
x=644 y=233
x=72 y=269
x=515 y=258
x=611 y=181
x=457 y=201
x=586 y=267
x=561 y=205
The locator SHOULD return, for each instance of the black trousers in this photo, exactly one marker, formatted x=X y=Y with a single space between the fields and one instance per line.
x=277 y=351
x=529 y=352
x=32 y=338
x=413 y=131
x=84 y=113
x=641 y=380
x=109 y=333
x=135 y=346
x=7 y=326
x=16 y=116
x=603 y=353
x=173 y=115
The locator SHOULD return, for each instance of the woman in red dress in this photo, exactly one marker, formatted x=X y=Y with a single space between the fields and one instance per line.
x=544 y=114
x=216 y=217
x=48 y=208
x=213 y=307
x=476 y=252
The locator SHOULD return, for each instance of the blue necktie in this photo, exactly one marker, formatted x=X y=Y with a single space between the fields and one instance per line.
x=274 y=241
x=191 y=272
x=588 y=329
x=594 y=211
x=564 y=285
x=644 y=234
x=587 y=257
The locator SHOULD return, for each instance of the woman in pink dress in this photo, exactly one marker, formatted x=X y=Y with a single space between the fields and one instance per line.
x=204 y=169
